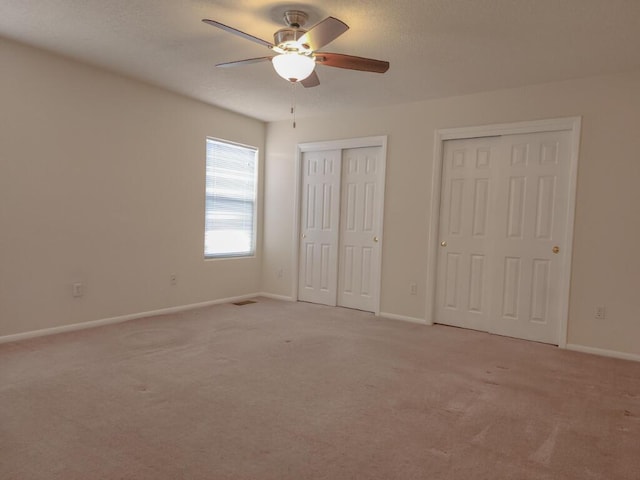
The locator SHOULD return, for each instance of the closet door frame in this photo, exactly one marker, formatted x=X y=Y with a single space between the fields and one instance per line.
x=375 y=141
x=571 y=124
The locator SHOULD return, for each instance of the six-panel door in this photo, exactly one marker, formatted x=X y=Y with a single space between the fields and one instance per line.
x=320 y=223
x=359 y=228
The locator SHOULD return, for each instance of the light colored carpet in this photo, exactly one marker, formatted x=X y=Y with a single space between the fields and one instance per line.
x=278 y=390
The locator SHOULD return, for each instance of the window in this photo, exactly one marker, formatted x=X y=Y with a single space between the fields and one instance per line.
x=230 y=209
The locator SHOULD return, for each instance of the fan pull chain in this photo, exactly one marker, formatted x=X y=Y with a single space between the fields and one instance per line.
x=293 y=103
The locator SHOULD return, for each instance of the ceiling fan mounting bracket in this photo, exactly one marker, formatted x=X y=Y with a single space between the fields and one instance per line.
x=295 y=18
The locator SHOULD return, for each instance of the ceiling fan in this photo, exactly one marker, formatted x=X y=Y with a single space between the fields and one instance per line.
x=297 y=52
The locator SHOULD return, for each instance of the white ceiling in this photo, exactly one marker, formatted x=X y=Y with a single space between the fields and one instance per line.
x=437 y=48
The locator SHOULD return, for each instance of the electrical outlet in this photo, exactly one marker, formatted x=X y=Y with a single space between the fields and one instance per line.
x=173 y=279
x=413 y=288
x=77 y=289
x=601 y=312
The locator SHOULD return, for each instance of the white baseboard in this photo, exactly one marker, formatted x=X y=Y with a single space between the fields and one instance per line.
x=123 y=318
x=273 y=296
x=404 y=318
x=603 y=352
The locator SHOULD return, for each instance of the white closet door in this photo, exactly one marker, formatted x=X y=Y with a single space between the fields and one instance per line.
x=466 y=224
x=529 y=241
x=320 y=222
x=359 y=259
x=504 y=204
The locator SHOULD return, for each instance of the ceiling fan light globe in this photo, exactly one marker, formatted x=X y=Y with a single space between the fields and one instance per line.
x=293 y=67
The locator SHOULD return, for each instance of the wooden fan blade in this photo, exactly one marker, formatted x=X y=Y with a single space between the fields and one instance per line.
x=322 y=33
x=350 y=62
x=229 y=29
x=248 y=61
x=311 y=81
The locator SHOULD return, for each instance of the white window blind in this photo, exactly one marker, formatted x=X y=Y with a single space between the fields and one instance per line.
x=230 y=208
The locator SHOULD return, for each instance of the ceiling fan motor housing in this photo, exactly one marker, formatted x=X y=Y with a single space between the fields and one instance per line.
x=285 y=35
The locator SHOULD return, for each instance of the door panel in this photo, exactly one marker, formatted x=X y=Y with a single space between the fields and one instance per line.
x=358 y=272
x=540 y=163
x=320 y=214
x=466 y=223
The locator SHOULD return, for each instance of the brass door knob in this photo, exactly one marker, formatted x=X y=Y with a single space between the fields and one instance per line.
x=443 y=243
x=375 y=239
x=556 y=249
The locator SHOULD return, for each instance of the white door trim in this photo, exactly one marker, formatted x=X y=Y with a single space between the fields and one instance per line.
x=572 y=124
x=376 y=141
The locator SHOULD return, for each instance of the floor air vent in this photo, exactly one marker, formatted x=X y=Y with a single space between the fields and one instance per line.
x=244 y=302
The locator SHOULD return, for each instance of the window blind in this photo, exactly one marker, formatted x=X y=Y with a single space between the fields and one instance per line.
x=230 y=199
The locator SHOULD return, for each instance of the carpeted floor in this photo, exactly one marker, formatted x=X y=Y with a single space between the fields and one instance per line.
x=277 y=390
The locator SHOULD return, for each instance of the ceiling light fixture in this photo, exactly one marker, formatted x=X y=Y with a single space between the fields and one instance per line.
x=295 y=51
x=293 y=66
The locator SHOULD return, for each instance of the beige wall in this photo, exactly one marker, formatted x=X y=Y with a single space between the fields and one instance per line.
x=102 y=181
x=606 y=263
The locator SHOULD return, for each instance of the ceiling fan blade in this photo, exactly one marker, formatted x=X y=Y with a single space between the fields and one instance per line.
x=350 y=62
x=311 y=81
x=229 y=29
x=323 y=33
x=248 y=61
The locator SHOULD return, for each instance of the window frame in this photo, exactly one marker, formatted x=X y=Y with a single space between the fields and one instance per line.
x=252 y=252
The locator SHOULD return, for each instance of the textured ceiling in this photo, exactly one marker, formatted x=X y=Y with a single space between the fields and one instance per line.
x=437 y=48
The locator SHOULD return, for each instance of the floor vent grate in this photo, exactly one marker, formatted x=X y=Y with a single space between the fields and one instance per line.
x=244 y=302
